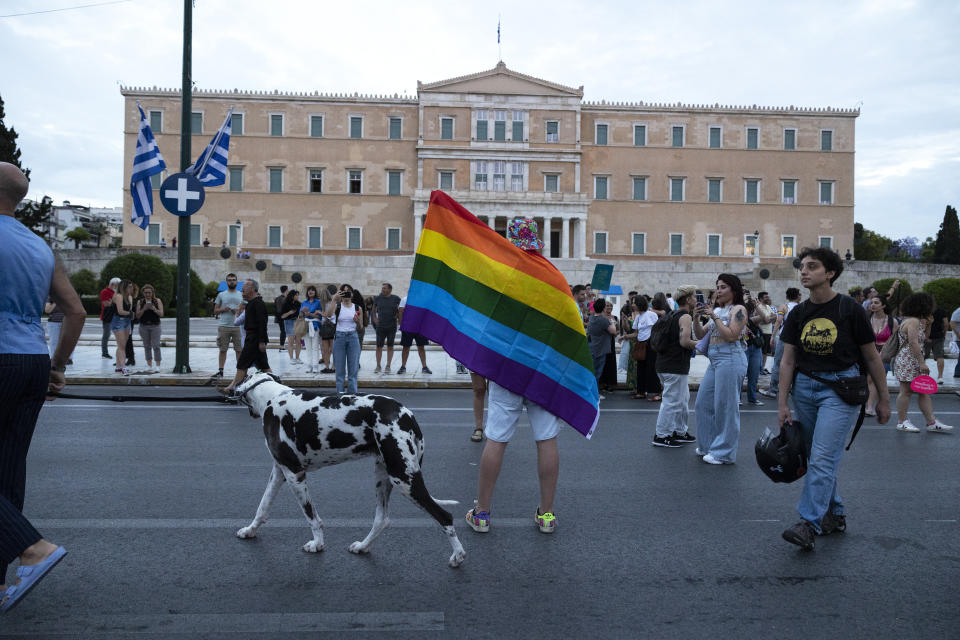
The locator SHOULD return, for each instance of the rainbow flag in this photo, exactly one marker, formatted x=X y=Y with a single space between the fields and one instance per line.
x=505 y=313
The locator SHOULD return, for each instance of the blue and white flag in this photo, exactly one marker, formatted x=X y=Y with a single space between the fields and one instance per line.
x=147 y=162
x=211 y=167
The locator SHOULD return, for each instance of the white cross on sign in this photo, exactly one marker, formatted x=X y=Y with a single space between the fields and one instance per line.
x=182 y=194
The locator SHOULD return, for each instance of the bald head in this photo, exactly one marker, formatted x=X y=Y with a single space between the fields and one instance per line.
x=13 y=187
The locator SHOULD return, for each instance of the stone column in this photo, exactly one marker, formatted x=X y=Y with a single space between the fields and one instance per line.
x=546 y=236
x=565 y=239
x=417 y=230
x=582 y=237
x=492 y=222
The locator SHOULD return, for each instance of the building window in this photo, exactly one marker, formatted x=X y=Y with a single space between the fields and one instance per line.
x=789 y=139
x=714 y=190
x=482 y=125
x=499 y=175
x=789 y=191
x=826 y=193
x=315 y=237
x=156 y=180
x=446 y=180
x=600 y=187
x=153 y=233
x=316 y=180
x=480 y=176
x=788 y=246
x=676 y=189
x=751 y=189
x=676 y=244
x=236 y=179
x=551 y=183
x=354 y=237
x=826 y=242
x=639 y=135
x=826 y=140
x=274 y=236
x=196 y=123
x=553 y=131
x=276 y=124
x=195 y=235
x=393 y=182
x=156 y=122
x=599 y=241
x=500 y=125
x=396 y=126
x=393 y=238
x=749 y=245
x=639 y=188
x=678 y=135
x=639 y=242
x=316 y=126
x=601 y=134
x=276 y=180
x=234 y=233
x=354 y=181
x=518 y=126
x=446 y=128
x=356 y=127
x=753 y=138
x=236 y=124
x=715 y=137
x=713 y=244
x=516 y=176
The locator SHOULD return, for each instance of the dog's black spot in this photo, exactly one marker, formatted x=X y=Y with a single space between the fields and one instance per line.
x=368 y=445
x=393 y=458
x=348 y=401
x=413 y=451
x=387 y=408
x=287 y=422
x=281 y=403
x=408 y=423
x=305 y=395
x=307 y=432
x=340 y=439
x=280 y=450
x=361 y=415
x=308 y=510
x=330 y=402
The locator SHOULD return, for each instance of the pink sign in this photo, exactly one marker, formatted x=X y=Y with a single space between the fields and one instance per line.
x=924 y=384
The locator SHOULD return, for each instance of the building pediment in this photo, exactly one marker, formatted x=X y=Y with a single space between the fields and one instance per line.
x=500 y=81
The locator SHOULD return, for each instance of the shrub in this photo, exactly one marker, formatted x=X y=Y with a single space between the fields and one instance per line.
x=141 y=269
x=210 y=290
x=197 y=292
x=91 y=304
x=902 y=291
x=85 y=282
x=946 y=291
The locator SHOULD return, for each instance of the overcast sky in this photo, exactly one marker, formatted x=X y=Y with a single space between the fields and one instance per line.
x=60 y=72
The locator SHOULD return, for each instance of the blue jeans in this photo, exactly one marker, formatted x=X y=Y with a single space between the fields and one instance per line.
x=775 y=373
x=717 y=406
x=754 y=364
x=598 y=363
x=346 y=359
x=825 y=420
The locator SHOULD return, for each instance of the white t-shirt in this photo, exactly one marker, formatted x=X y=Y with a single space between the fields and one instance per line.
x=345 y=321
x=643 y=324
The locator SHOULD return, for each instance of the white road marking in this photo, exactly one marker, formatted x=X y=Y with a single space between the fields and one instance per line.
x=234 y=523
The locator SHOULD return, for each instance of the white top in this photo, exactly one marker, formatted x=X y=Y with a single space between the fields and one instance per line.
x=643 y=324
x=723 y=315
x=345 y=321
x=790 y=307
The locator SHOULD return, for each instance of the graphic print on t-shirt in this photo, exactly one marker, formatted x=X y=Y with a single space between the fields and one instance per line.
x=818 y=336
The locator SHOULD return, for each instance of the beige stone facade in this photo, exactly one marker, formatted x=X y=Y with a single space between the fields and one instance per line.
x=336 y=174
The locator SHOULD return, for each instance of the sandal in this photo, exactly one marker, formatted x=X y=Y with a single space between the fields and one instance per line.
x=29 y=576
x=477 y=435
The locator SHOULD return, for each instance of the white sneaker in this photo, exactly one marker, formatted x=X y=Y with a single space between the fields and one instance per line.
x=908 y=426
x=939 y=427
x=709 y=459
x=701 y=453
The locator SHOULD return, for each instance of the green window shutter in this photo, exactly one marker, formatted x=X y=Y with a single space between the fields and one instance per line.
x=752 y=138
x=713 y=245
x=356 y=127
x=236 y=179
x=353 y=238
x=316 y=126
x=394 y=183
x=751 y=191
x=196 y=123
x=276 y=180
x=276 y=125
x=553 y=131
x=482 y=130
x=153 y=234
x=789 y=139
x=601 y=188
x=273 y=236
x=316 y=238
x=518 y=130
x=446 y=128
x=676 y=244
x=678 y=136
x=195 y=235
x=639 y=188
x=826 y=193
x=395 y=128
x=714 y=191
x=393 y=239
x=551 y=184
x=500 y=130
x=789 y=192
x=236 y=124
x=714 y=137
x=676 y=189
x=601 y=134
x=826 y=141
x=600 y=242
x=446 y=180
x=639 y=244
x=156 y=122
x=826 y=242
x=639 y=135
x=156 y=180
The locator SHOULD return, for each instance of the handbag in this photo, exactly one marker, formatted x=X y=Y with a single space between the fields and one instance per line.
x=328 y=330
x=300 y=327
x=639 y=350
x=891 y=347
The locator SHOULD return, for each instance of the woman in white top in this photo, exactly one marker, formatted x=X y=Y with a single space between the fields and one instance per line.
x=647 y=381
x=718 y=401
x=346 y=343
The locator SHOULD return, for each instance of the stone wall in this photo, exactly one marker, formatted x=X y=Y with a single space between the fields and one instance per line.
x=367 y=272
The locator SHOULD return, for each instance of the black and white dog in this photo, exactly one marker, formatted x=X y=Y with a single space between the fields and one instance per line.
x=305 y=431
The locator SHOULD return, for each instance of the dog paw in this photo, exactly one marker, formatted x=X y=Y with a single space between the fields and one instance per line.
x=357 y=547
x=313 y=547
x=247 y=532
x=457 y=558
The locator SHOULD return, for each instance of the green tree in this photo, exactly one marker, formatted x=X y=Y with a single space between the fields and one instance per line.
x=141 y=269
x=869 y=245
x=197 y=292
x=78 y=235
x=85 y=282
x=9 y=151
x=946 y=248
x=902 y=291
x=33 y=215
x=946 y=291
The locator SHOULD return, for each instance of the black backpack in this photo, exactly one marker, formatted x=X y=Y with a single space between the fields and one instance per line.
x=660 y=333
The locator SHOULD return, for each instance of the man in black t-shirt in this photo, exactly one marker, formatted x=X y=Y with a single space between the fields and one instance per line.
x=828 y=336
x=277 y=311
x=254 y=351
x=673 y=367
x=933 y=347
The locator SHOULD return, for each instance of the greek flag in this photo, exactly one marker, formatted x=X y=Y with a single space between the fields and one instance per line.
x=211 y=167
x=147 y=162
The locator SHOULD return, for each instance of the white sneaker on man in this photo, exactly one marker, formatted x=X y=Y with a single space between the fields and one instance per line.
x=939 y=427
x=908 y=426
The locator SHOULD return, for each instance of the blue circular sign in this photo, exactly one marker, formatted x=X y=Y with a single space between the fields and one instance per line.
x=182 y=194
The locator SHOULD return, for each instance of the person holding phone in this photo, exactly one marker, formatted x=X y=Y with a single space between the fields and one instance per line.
x=149 y=312
x=346 y=342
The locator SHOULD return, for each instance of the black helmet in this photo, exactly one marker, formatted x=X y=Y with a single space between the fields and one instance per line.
x=783 y=458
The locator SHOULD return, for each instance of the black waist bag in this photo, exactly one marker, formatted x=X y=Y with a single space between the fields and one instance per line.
x=852 y=390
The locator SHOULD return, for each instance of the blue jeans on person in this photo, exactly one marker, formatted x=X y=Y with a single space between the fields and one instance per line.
x=754 y=364
x=346 y=359
x=598 y=364
x=717 y=406
x=825 y=420
x=775 y=373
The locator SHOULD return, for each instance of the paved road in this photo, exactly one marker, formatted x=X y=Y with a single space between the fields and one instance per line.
x=650 y=542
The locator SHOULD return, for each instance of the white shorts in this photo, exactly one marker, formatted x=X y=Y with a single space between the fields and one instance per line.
x=504 y=412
